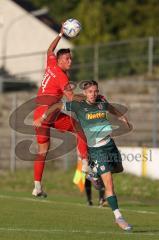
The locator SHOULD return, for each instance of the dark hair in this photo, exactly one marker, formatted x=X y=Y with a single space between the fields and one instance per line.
x=90 y=83
x=62 y=51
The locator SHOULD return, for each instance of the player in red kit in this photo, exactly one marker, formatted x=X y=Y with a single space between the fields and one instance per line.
x=54 y=86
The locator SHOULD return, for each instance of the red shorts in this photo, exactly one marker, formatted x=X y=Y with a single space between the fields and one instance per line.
x=60 y=121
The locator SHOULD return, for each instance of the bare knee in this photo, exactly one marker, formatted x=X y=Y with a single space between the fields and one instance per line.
x=43 y=149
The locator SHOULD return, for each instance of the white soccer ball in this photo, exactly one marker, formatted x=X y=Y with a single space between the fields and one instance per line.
x=71 y=27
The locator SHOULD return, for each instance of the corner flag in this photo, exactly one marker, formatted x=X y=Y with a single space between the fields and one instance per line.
x=79 y=177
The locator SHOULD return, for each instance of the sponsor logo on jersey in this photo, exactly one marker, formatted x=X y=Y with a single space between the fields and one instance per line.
x=98 y=115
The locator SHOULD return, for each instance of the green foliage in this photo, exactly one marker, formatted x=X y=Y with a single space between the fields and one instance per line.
x=58 y=10
x=106 y=20
x=117 y=59
x=92 y=17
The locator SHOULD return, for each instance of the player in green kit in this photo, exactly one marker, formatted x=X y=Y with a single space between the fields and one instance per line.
x=103 y=153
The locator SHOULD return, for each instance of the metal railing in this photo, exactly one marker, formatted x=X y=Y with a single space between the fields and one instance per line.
x=102 y=61
x=141 y=111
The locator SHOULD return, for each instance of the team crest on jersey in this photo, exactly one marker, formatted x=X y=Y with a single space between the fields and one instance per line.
x=100 y=106
x=102 y=168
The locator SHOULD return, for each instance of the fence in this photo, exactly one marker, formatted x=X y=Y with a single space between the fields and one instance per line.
x=143 y=112
x=22 y=157
x=100 y=61
x=116 y=59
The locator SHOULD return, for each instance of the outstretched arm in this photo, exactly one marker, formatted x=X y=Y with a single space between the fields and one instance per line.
x=55 y=42
x=114 y=111
x=120 y=116
x=71 y=96
x=38 y=122
x=54 y=107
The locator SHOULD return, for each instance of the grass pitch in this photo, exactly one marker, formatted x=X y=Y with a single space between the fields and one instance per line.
x=65 y=215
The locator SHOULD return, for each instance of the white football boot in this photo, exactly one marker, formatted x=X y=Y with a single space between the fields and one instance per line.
x=38 y=191
x=123 y=224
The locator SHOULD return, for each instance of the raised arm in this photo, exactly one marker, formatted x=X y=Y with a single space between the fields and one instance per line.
x=71 y=96
x=114 y=111
x=55 y=42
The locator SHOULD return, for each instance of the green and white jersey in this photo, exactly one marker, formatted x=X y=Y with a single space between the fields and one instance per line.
x=93 y=119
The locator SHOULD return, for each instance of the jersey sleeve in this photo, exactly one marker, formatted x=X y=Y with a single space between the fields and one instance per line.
x=71 y=106
x=101 y=98
x=51 y=59
x=105 y=105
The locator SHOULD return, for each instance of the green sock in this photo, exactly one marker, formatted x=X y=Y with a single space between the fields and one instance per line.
x=113 y=202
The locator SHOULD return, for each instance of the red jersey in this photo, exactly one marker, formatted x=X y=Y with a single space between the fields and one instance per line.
x=53 y=84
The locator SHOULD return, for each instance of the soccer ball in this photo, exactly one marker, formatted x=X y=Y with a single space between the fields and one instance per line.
x=71 y=27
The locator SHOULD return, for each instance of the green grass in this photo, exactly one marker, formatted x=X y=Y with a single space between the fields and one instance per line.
x=65 y=215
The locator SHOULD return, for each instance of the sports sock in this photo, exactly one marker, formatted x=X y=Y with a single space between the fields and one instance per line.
x=37 y=185
x=39 y=164
x=117 y=213
x=113 y=202
x=88 y=190
x=101 y=194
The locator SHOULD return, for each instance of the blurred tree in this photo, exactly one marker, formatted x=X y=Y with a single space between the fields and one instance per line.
x=133 y=18
x=59 y=10
x=90 y=13
x=106 y=20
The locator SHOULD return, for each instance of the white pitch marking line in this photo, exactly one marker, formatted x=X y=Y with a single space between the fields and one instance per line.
x=76 y=231
x=139 y=211
x=73 y=204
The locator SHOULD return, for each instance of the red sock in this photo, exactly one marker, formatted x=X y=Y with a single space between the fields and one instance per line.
x=39 y=164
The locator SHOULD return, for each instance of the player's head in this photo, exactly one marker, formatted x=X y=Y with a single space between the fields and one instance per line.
x=91 y=90
x=64 y=58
